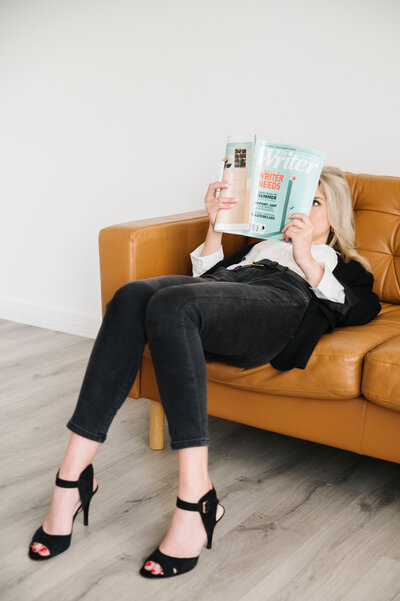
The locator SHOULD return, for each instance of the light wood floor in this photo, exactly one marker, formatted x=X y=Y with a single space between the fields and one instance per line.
x=303 y=521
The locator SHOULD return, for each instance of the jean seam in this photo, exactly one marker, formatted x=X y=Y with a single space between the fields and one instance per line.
x=191 y=367
x=117 y=402
x=192 y=378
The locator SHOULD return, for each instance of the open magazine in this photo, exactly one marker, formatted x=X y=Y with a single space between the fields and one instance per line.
x=271 y=180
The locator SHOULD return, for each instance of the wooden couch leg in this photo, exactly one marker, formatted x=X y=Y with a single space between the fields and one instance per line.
x=156 y=426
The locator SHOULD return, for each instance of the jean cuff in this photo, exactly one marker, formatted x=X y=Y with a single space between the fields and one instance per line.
x=194 y=442
x=82 y=432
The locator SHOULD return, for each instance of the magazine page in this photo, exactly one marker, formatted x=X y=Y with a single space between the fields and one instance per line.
x=237 y=171
x=284 y=181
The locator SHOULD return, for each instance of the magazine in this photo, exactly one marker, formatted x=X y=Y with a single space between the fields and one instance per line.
x=271 y=181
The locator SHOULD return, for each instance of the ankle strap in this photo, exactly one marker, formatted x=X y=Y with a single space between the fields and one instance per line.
x=204 y=505
x=66 y=483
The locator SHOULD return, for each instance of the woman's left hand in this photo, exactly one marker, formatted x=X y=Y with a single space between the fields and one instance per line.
x=300 y=231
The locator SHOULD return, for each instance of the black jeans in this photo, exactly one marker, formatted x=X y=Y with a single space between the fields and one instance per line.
x=243 y=317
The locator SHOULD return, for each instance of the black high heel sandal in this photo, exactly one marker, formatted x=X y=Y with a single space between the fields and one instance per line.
x=207 y=506
x=57 y=543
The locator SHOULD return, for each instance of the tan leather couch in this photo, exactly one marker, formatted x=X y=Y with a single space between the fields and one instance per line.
x=348 y=396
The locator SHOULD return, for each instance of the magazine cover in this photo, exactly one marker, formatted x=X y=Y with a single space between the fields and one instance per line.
x=271 y=180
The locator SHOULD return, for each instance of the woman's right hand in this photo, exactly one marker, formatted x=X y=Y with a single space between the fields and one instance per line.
x=213 y=204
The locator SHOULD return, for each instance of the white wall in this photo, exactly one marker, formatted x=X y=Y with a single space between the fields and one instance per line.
x=116 y=110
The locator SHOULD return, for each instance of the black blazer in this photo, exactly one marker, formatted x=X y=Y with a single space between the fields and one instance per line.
x=361 y=306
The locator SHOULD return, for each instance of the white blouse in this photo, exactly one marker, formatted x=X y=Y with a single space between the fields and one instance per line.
x=329 y=287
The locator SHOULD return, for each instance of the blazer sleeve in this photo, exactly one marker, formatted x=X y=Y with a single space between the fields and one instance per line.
x=361 y=304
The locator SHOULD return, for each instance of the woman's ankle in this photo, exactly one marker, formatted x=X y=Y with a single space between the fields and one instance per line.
x=71 y=475
x=193 y=491
x=70 y=472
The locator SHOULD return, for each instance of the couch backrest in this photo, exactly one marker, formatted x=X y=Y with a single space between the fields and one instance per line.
x=376 y=202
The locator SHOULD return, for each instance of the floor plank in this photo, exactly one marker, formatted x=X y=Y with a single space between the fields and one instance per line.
x=303 y=521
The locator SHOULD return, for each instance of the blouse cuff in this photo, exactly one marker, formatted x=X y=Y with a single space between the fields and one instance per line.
x=202 y=264
x=329 y=288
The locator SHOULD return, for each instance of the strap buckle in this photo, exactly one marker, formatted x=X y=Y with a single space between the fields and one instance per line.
x=204 y=507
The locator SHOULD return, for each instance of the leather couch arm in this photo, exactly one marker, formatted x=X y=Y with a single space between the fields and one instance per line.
x=143 y=249
x=159 y=246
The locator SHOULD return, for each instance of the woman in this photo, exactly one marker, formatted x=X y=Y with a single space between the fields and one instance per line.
x=271 y=301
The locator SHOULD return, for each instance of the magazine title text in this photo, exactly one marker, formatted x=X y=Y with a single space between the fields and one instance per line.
x=276 y=159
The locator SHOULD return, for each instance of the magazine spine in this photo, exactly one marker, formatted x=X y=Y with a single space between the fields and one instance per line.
x=253 y=186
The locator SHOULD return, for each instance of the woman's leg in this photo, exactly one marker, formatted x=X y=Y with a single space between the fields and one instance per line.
x=193 y=482
x=116 y=356
x=79 y=454
x=109 y=376
x=186 y=535
x=243 y=324
x=238 y=323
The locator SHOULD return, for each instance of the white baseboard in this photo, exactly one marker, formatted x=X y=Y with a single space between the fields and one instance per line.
x=53 y=319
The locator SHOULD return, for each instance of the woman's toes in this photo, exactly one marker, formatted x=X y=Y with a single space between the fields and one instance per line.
x=153 y=567
x=44 y=551
x=156 y=569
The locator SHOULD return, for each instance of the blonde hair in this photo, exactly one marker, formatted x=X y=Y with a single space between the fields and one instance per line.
x=342 y=235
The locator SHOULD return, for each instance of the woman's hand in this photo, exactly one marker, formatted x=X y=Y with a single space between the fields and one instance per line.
x=300 y=231
x=213 y=204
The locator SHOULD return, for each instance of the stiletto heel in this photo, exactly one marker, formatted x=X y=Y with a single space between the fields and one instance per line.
x=173 y=566
x=86 y=515
x=57 y=543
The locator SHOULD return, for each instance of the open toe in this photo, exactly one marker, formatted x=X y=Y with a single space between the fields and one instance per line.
x=54 y=544
x=173 y=566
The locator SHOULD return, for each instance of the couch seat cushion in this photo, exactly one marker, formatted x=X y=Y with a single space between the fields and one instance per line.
x=381 y=375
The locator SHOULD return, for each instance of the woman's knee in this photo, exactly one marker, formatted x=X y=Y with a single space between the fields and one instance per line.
x=171 y=306
x=132 y=293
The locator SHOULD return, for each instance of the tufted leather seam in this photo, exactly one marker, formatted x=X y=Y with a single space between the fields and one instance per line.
x=378 y=252
x=381 y=398
x=355 y=355
x=377 y=211
x=371 y=358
